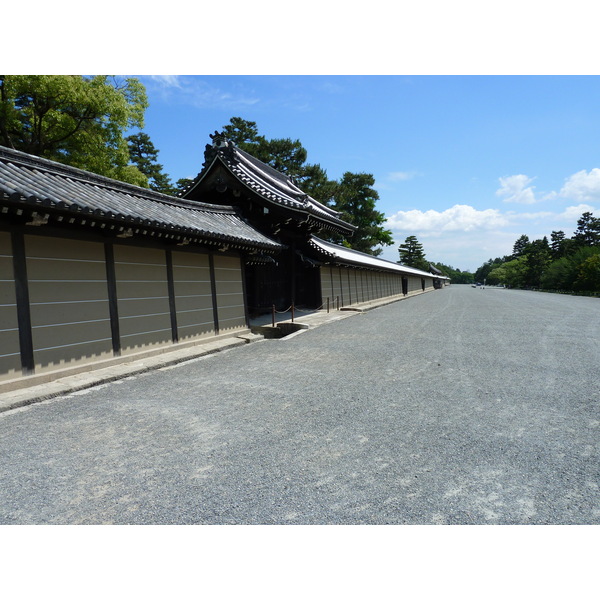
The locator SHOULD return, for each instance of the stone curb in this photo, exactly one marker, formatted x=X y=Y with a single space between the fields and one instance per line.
x=38 y=393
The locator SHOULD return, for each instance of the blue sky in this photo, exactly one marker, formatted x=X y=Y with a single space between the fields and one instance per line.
x=467 y=163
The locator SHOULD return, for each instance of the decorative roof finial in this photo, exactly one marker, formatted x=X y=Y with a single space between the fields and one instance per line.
x=219 y=140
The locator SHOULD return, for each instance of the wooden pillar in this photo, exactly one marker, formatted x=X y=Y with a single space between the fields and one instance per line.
x=23 y=306
x=113 y=307
x=171 y=289
x=213 y=290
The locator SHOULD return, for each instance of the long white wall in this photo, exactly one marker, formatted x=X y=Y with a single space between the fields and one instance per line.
x=348 y=285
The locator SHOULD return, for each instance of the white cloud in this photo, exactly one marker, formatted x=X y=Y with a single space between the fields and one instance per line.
x=515 y=189
x=582 y=186
x=573 y=213
x=459 y=217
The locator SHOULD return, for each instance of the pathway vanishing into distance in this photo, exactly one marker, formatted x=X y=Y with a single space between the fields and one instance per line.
x=460 y=406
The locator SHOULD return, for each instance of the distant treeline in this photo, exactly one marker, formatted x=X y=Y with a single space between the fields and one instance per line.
x=456 y=275
x=561 y=264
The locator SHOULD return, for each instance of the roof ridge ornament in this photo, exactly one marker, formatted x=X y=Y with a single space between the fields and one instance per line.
x=220 y=145
x=219 y=140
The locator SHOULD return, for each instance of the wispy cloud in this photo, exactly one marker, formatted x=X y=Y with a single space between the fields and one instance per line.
x=200 y=92
x=329 y=86
x=167 y=81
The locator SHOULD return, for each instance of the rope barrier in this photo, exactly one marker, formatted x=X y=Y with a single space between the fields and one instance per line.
x=281 y=312
x=309 y=310
x=291 y=308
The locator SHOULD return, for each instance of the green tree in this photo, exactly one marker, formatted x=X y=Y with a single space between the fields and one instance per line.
x=144 y=156
x=567 y=264
x=182 y=183
x=512 y=273
x=244 y=134
x=560 y=245
x=283 y=154
x=588 y=274
x=538 y=256
x=356 y=199
x=315 y=183
x=456 y=275
x=483 y=272
x=573 y=272
x=588 y=230
x=412 y=254
x=73 y=119
x=559 y=275
x=519 y=246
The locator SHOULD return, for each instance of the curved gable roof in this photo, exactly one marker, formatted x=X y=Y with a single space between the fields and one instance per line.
x=271 y=185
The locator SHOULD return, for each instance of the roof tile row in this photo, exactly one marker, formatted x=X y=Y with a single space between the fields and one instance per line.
x=36 y=181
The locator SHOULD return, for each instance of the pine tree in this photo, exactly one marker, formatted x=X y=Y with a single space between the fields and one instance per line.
x=412 y=254
x=144 y=156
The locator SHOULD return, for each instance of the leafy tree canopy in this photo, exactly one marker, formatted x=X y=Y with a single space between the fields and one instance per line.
x=560 y=245
x=482 y=273
x=73 y=119
x=577 y=271
x=512 y=273
x=456 y=275
x=588 y=273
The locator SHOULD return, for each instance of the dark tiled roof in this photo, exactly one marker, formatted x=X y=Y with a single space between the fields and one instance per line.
x=275 y=187
x=42 y=185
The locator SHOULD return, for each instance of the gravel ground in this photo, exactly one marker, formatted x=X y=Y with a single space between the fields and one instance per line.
x=461 y=406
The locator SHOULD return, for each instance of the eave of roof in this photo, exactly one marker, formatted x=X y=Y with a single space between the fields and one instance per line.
x=43 y=185
x=343 y=255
